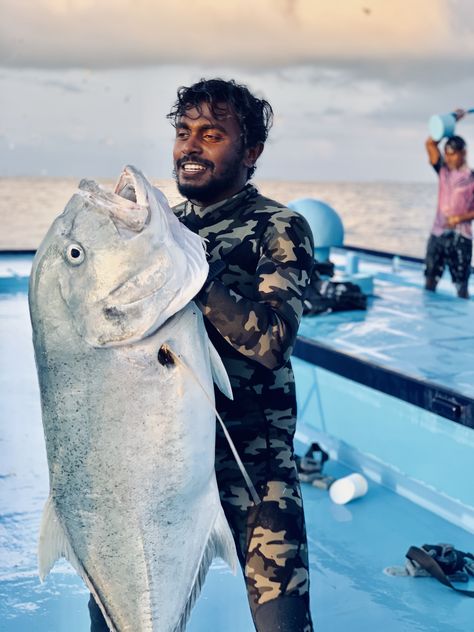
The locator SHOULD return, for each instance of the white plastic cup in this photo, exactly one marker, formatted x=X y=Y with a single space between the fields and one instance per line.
x=348 y=488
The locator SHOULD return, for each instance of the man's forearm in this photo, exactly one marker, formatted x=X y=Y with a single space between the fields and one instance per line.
x=432 y=149
x=465 y=217
x=257 y=330
x=453 y=220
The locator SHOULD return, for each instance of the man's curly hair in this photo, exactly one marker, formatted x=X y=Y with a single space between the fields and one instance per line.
x=255 y=116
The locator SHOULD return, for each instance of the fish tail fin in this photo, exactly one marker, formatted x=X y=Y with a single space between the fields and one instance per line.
x=220 y=544
x=53 y=542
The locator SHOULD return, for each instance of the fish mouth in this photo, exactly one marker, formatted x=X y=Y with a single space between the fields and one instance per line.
x=126 y=208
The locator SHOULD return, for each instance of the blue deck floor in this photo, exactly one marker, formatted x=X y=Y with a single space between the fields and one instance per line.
x=417 y=333
x=350 y=546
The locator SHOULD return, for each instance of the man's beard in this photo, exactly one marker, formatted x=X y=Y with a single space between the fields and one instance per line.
x=205 y=193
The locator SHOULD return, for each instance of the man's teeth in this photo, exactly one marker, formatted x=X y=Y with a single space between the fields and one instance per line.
x=193 y=166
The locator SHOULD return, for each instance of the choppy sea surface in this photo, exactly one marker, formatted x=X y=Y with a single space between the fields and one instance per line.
x=391 y=216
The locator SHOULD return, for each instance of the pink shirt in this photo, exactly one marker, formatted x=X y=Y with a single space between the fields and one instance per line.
x=455 y=197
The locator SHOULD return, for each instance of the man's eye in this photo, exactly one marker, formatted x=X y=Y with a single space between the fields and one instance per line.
x=214 y=138
x=181 y=135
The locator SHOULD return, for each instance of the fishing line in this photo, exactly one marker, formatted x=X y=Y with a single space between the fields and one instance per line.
x=250 y=485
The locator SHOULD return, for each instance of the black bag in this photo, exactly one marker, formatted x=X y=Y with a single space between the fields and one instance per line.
x=330 y=296
x=444 y=563
x=324 y=268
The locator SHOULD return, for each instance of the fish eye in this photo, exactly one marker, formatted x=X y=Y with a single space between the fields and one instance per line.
x=75 y=254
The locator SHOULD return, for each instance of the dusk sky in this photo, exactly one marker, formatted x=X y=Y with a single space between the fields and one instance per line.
x=85 y=90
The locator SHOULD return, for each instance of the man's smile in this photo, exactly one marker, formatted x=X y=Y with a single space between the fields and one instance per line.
x=193 y=166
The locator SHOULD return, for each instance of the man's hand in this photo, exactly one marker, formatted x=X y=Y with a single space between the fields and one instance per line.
x=453 y=221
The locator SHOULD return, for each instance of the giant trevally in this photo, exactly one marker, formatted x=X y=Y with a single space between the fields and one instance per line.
x=126 y=371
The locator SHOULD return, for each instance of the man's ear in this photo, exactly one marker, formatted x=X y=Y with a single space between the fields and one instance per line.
x=252 y=154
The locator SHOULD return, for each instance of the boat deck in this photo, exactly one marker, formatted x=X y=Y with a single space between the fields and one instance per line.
x=415 y=333
x=350 y=546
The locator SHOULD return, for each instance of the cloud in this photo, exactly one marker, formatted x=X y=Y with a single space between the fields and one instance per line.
x=327 y=125
x=60 y=85
x=266 y=33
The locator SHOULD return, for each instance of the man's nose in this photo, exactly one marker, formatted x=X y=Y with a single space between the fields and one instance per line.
x=191 y=145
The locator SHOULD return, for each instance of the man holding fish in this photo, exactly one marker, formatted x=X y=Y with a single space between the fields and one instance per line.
x=261 y=256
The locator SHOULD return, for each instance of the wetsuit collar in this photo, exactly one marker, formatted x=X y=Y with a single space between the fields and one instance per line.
x=228 y=205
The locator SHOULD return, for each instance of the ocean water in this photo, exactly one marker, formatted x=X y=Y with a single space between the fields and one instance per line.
x=391 y=216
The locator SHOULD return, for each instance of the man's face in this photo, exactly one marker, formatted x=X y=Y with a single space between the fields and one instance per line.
x=209 y=158
x=454 y=159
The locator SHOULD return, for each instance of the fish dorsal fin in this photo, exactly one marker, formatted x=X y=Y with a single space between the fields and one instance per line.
x=54 y=544
x=219 y=374
x=220 y=544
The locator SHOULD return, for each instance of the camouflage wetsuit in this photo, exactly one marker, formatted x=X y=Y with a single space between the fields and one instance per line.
x=252 y=314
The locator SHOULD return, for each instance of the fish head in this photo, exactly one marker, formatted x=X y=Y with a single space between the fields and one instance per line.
x=119 y=263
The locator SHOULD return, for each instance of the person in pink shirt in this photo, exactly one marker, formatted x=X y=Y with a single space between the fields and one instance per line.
x=450 y=241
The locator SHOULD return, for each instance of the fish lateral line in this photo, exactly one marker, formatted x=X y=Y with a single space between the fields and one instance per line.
x=171 y=358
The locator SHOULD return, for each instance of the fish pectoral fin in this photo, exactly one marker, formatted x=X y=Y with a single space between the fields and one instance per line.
x=53 y=542
x=219 y=374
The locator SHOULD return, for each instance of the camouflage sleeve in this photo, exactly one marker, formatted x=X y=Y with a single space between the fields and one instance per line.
x=265 y=329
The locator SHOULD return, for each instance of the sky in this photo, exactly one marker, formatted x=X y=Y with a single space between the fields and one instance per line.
x=85 y=85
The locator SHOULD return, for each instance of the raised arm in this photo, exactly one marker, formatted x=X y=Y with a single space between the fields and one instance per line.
x=432 y=149
x=434 y=155
x=264 y=329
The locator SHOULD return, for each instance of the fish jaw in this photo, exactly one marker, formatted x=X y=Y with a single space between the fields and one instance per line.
x=125 y=212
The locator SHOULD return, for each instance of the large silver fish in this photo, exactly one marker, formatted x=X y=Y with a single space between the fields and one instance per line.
x=126 y=378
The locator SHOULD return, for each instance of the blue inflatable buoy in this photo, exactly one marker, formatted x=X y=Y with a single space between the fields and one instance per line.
x=324 y=222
